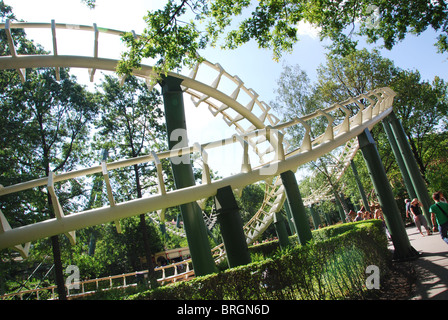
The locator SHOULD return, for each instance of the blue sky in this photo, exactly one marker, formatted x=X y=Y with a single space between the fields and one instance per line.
x=253 y=65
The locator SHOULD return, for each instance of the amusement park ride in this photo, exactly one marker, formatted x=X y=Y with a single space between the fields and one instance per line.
x=257 y=131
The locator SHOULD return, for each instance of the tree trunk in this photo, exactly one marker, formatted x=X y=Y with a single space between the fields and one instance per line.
x=145 y=234
x=58 y=270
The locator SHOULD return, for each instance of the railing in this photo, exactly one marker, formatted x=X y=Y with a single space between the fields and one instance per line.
x=82 y=288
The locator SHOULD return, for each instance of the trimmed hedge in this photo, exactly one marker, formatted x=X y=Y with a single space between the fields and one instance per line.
x=267 y=249
x=332 y=266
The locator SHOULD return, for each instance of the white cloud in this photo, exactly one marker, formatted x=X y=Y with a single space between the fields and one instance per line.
x=307 y=29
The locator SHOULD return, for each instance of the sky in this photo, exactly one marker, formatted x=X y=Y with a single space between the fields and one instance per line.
x=254 y=66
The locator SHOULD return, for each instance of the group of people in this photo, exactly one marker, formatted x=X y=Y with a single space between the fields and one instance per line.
x=438 y=211
x=363 y=214
x=439 y=215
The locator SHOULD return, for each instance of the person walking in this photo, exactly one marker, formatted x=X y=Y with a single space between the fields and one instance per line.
x=407 y=204
x=419 y=219
x=439 y=214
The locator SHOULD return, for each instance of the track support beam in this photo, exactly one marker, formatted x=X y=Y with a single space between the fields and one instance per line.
x=194 y=225
x=392 y=216
x=296 y=207
x=231 y=228
x=400 y=161
x=411 y=165
x=316 y=218
x=360 y=186
x=280 y=228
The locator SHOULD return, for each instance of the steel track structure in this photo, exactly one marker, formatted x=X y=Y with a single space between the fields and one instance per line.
x=258 y=131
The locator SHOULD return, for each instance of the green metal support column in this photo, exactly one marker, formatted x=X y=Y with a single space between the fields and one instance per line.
x=194 y=225
x=280 y=228
x=411 y=165
x=359 y=184
x=297 y=208
x=231 y=228
x=291 y=224
x=315 y=217
x=328 y=218
x=392 y=217
x=340 y=207
x=400 y=161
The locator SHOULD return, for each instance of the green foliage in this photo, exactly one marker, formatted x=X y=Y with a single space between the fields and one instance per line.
x=372 y=227
x=89 y=3
x=168 y=39
x=45 y=122
x=250 y=201
x=331 y=267
x=354 y=74
x=420 y=105
x=46 y=126
x=269 y=24
x=130 y=124
x=273 y=25
x=120 y=253
x=22 y=45
x=263 y=250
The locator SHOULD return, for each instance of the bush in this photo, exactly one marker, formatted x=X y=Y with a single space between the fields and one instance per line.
x=333 y=266
x=266 y=249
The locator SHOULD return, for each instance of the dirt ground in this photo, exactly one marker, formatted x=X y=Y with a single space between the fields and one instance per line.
x=400 y=283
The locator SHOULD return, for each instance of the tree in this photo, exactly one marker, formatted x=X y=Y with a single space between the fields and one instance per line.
x=89 y=3
x=120 y=253
x=295 y=97
x=167 y=38
x=250 y=201
x=22 y=44
x=131 y=125
x=173 y=36
x=43 y=124
x=436 y=168
x=420 y=105
x=54 y=123
x=354 y=74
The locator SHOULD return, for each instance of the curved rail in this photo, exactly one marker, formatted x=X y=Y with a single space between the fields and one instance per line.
x=336 y=173
x=240 y=107
x=84 y=288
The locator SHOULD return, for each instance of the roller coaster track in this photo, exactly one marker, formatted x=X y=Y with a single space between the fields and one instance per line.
x=335 y=173
x=258 y=131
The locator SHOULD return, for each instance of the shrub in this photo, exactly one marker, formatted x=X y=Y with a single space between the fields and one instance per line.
x=332 y=266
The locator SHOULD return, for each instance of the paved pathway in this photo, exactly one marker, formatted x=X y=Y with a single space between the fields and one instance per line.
x=432 y=266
